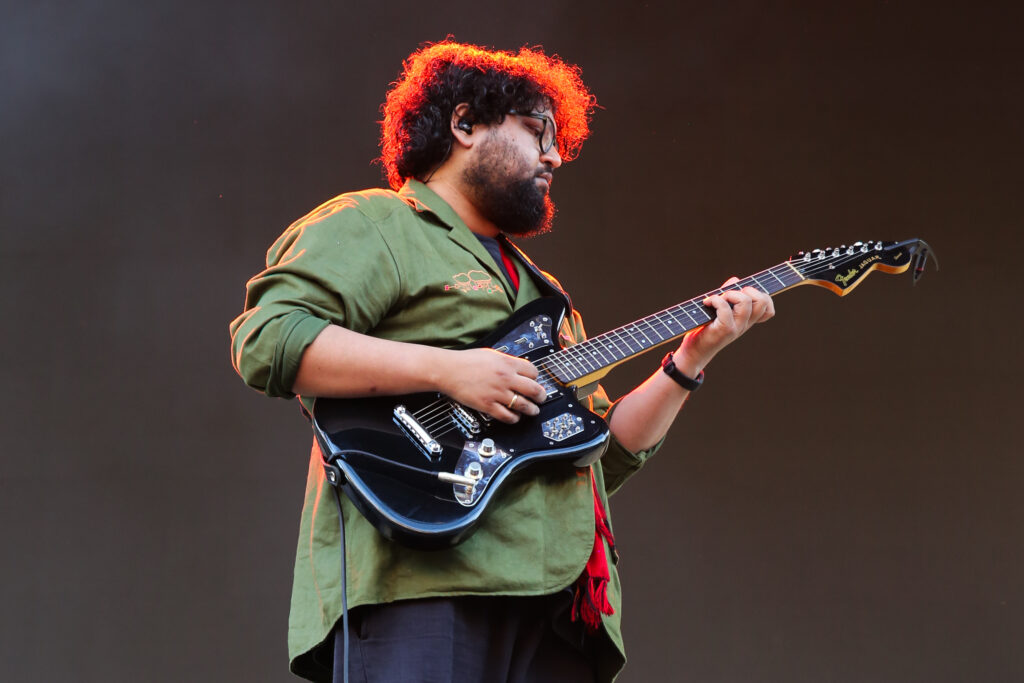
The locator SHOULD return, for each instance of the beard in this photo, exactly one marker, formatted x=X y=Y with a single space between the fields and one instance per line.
x=507 y=194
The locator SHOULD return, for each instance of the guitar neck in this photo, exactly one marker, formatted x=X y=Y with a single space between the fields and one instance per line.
x=590 y=360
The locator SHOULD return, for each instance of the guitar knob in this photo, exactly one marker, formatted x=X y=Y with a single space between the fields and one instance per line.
x=474 y=470
x=486 y=448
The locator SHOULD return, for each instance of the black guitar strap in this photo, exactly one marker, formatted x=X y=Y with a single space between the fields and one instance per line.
x=546 y=282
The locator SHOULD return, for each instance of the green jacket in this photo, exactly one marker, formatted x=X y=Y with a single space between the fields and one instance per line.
x=404 y=266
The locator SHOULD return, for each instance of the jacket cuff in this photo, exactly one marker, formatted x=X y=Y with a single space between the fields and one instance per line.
x=619 y=463
x=297 y=335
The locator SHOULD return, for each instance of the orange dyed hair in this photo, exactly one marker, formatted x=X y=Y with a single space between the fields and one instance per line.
x=415 y=132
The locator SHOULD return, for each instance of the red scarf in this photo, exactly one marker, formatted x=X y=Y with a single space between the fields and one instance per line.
x=591 y=594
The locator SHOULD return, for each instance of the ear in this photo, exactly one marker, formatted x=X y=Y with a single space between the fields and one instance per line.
x=462 y=129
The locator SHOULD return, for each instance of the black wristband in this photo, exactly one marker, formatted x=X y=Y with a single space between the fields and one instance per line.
x=682 y=380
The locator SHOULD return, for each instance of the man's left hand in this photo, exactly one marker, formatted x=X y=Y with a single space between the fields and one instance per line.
x=737 y=310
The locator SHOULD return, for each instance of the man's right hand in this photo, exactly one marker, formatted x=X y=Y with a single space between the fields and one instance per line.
x=492 y=382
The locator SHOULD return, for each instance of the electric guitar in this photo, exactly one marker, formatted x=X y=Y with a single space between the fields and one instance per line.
x=423 y=468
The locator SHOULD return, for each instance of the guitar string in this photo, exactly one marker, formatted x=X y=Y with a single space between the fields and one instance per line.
x=441 y=411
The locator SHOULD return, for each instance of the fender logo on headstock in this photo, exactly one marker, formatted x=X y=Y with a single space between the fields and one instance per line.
x=845 y=279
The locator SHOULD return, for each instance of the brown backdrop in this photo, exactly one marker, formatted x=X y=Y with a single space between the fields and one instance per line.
x=841 y=502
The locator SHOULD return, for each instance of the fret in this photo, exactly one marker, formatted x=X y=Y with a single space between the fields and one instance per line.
x=693 y=320
x=572 y=368
x=676 y=320
x=767 y=289
x=745 y=282
x=656 y=329
x=701 y=309
x=636 y=334
x=600 y=345
x=639 y=344
x=643 y=326
x=584 y=356
x=775 y=275
x=668 y=331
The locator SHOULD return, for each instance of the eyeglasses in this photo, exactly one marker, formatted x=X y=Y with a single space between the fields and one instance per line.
x=548 y=135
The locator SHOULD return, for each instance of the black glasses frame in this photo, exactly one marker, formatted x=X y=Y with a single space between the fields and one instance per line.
x=548 y=123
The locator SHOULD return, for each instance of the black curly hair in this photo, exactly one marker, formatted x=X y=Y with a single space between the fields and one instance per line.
x=415 y=133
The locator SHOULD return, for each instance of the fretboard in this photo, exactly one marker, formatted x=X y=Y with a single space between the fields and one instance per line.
x=598 y=354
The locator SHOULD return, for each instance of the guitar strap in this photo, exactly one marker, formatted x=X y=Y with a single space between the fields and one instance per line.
x=543 y=280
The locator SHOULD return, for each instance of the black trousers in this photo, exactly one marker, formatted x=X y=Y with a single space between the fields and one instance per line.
x=465 y=640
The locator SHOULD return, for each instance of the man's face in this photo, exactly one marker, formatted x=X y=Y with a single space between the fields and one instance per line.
x=510 y=177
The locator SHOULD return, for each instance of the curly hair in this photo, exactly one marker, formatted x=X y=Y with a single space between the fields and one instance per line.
x=415 y=133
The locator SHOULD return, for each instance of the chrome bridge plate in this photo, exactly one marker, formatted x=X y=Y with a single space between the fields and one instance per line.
x=562 y=427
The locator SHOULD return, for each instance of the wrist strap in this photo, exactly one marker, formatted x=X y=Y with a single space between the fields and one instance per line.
x=682 y=380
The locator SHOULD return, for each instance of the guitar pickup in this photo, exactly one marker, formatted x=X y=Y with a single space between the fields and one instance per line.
x=464 y=420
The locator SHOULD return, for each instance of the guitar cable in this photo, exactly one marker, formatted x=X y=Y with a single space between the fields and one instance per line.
x=344 y=589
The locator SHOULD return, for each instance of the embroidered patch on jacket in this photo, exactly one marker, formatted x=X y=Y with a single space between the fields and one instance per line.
x=474 y=280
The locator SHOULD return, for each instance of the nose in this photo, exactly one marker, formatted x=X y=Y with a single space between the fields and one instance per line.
x=551 y=157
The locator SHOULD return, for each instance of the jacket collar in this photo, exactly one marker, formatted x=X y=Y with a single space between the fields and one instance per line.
x=424 y=200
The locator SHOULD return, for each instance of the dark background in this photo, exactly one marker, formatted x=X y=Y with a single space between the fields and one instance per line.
x=840 y=502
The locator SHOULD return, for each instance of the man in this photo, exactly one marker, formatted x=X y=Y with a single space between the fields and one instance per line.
x=370 y=294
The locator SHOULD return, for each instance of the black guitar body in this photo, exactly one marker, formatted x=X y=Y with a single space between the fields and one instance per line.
x=423 y=469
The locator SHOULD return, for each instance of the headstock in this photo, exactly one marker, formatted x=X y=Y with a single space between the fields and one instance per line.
x=842 y=268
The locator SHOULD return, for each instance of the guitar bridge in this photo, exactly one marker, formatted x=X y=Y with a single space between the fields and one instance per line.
x=416 y=433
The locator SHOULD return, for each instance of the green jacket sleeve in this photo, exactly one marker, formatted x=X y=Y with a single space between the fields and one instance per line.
x=331 y=267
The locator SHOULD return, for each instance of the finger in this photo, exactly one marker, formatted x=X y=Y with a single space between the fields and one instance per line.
x=524 y=406
x=529 y=389
x=503 y=414
x=722 y=308
x=767 y=311
x=731 y=281
x=742 y=305
x=763 y=304
x=525 y=368
x=758 y=302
